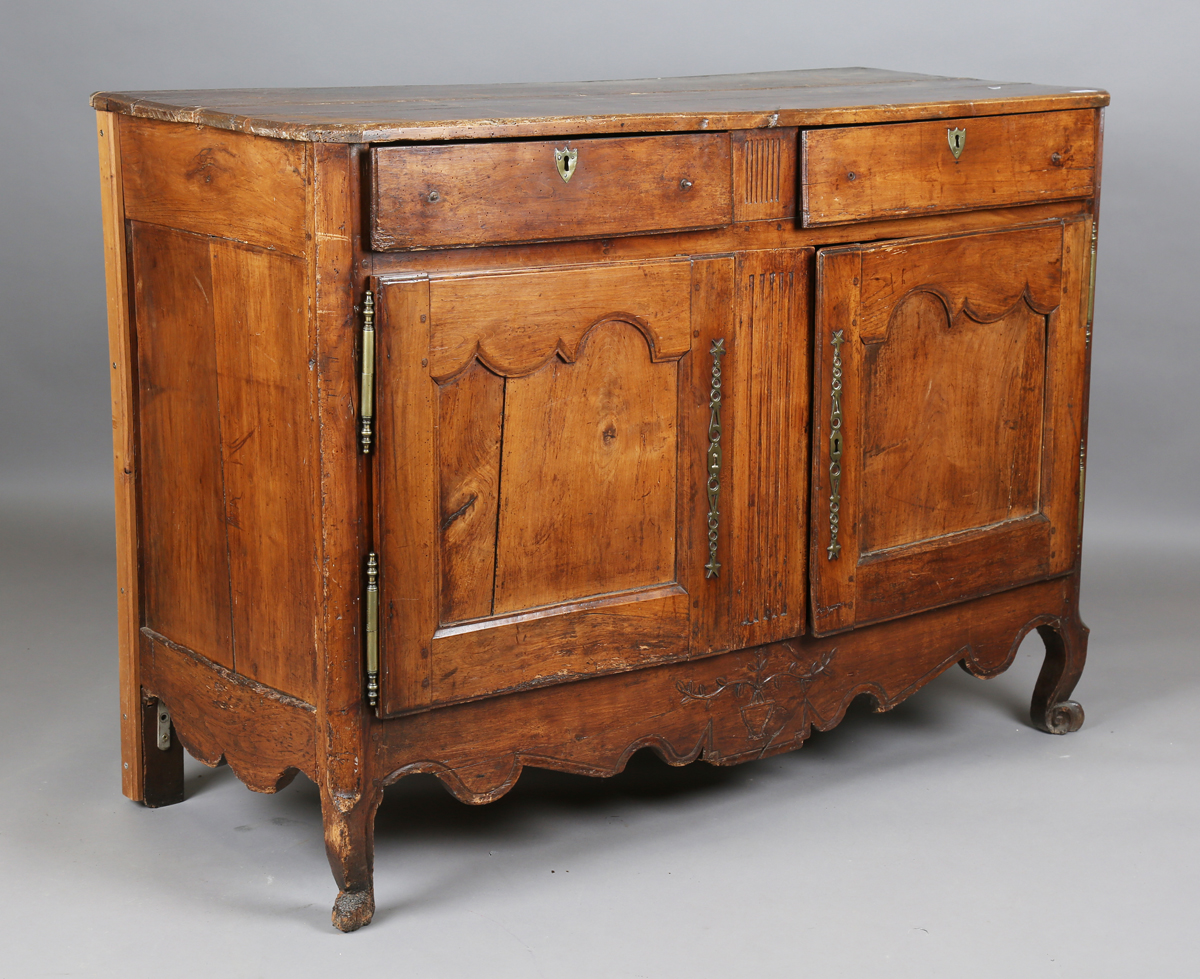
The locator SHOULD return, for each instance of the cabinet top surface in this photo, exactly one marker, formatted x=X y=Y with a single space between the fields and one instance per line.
x=818 y=97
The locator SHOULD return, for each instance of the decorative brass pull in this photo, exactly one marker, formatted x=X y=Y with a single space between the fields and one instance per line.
x=366 y=399
x=835 y=446
x=372 y=630
x=957 y=138
x=566 y=160
x=713 y=568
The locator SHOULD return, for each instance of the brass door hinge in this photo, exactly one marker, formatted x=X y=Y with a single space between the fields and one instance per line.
x=1082 y=480
x=372 y=630
x=1091 y=308
x=366 y=401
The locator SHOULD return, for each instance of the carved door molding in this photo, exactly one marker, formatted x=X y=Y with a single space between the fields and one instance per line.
x=948 y=382
x=542 y=474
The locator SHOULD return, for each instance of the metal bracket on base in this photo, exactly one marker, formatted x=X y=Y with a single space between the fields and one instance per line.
x=163 y=737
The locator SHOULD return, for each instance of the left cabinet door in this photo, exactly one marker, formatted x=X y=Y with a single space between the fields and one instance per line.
x=543 y=446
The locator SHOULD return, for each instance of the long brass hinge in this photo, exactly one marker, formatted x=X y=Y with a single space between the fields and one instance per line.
x=1091 y=309
x=1082 y=480
x=366 y=401
x=372 y=630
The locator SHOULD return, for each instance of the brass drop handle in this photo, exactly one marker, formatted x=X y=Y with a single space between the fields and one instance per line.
x=713 y=568
x=835 y=446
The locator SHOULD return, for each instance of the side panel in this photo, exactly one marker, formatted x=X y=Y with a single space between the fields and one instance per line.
x=231 y=185
x=264 y=354
x=185 y=549
x=122 y=355
x=218 y=231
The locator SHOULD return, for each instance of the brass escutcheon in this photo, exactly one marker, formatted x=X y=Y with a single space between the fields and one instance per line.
x=566 y=160
x=957 y=138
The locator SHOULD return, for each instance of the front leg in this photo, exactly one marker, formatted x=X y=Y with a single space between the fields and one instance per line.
x=350 y=846
x=1066 y=650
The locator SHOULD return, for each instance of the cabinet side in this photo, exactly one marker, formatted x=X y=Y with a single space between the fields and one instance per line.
x=121 y=366
x=224 y=373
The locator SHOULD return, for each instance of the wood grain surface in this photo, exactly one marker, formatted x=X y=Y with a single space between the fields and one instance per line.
x=122 y=355
x=869 y=172
x=588 y=486
x=185 y=548
x=815 y=97
x=480 y=193
x=726 y=709
x=943 y=478
x=768 y=379
x=228 y=185
x=515 y=322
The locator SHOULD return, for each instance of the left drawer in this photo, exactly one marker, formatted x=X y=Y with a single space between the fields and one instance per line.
x=456 y=194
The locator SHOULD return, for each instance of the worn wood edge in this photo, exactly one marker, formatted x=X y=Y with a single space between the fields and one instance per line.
x=381 y=130
x=481 y=778
x=121 y=363
x=251 y=723
x=344 y=501
x=748 y=236
x=1090 y=326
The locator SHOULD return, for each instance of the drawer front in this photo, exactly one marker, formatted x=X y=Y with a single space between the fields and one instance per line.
x=489 y=193
x=868 y=173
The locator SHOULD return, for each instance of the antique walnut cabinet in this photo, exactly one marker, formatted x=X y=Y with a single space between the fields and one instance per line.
x=466 y=428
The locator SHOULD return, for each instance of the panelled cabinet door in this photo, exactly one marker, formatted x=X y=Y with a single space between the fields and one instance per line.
x=948 y=387
x=542 y=509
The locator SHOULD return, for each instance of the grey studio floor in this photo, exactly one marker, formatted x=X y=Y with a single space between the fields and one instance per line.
x=945 y=838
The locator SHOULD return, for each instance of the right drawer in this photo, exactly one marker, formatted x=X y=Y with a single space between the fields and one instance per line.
x=869 y=173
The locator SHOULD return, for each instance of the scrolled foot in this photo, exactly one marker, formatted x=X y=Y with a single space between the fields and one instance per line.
x=1061 y=718
x=353 y=909
x=1052 y=710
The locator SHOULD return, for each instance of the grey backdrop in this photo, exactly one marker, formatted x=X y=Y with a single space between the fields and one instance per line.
x=1145 y=445
x=944 y=839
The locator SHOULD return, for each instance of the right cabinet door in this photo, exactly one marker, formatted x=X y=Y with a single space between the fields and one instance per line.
x=950 y=382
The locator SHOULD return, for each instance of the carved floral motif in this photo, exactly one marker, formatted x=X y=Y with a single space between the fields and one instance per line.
x=757 y=682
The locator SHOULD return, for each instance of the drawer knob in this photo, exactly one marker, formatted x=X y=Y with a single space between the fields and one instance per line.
x=957 y=138
x=566 y=161
x=433 y=197
x=685 y=184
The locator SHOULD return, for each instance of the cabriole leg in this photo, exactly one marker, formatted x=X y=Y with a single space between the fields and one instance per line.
x=350 y=846
x=1066 y=651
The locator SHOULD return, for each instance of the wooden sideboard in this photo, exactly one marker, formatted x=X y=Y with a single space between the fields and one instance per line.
x=461 y=429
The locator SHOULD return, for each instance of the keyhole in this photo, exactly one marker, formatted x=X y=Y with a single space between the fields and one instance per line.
x=957 y=143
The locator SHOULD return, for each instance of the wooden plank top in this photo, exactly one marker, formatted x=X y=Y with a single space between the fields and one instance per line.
x=819 y=97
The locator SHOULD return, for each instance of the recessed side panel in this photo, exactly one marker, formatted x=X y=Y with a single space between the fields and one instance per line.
x=185 y=551
x=264 y=349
